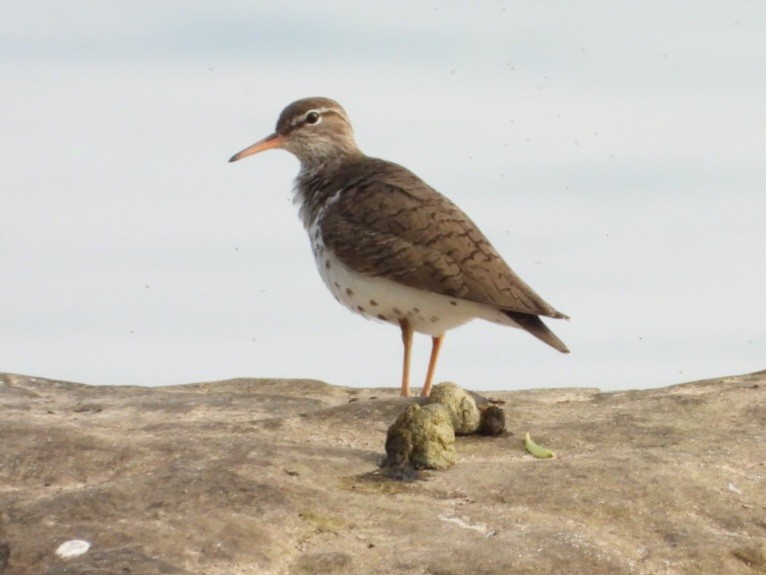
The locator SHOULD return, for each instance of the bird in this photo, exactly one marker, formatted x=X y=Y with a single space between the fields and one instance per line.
x=390 y=247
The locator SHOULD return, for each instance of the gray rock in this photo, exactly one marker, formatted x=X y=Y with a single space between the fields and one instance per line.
x=5 y=554
x=279 y=476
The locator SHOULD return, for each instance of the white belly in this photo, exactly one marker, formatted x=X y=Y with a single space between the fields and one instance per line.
x=386 y=300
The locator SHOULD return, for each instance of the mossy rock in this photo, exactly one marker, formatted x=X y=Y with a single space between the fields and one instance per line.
x=422 y=438
x=462 y=408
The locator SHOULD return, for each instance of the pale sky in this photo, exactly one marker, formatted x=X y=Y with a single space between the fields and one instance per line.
x=613 y=152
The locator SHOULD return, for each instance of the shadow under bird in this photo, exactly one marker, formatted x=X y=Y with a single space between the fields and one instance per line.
x=390 y=247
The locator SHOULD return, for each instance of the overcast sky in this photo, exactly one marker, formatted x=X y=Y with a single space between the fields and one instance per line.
x=613 y=152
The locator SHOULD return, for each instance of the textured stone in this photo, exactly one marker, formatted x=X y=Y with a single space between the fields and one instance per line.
x=281 y=476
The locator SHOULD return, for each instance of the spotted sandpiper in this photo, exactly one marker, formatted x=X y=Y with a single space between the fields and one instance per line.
x=390 y=247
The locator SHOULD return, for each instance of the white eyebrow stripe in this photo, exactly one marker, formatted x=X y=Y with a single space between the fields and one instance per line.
x=302 y=118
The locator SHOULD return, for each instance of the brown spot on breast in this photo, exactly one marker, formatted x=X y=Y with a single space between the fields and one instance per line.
x=360 y=308
x=373 y=303
x=327 y=264
x=452 y=302
x=349 y=292
x=397 y=311
x=336 y=284
x=381 y=316
x=434 y=319
x=416 y=309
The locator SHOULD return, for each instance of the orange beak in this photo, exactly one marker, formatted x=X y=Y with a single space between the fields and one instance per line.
x=269 y=142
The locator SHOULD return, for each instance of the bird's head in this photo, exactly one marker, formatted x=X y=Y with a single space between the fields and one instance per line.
x=316 y=130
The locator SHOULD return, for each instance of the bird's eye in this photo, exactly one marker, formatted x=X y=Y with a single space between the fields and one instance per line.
x=313 y=117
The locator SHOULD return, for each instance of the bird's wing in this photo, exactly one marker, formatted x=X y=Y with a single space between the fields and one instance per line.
x=389 y=223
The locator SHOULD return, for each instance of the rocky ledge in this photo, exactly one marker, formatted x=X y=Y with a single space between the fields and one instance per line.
x=281 y=476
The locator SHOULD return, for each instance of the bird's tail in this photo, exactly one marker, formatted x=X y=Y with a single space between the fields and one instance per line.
x=534 y=325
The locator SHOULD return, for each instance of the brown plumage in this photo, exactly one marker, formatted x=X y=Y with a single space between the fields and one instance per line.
x=376 y=227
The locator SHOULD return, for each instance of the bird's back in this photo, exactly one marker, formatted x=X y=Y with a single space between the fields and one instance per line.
x=381 y=220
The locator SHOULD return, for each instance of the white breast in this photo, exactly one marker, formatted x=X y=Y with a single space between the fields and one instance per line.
x=385 y=300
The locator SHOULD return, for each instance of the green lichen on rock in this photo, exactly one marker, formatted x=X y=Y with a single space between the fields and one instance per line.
x=462 y=408
x=421 y=438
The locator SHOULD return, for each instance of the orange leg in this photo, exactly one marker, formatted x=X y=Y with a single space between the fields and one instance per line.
x=407 y=340
x=435 y=348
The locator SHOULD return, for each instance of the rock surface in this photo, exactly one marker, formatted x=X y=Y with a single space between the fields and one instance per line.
x=274 y=476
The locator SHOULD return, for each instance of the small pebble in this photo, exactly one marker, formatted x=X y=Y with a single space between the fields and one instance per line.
x=72 y=548
x=492 y=420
